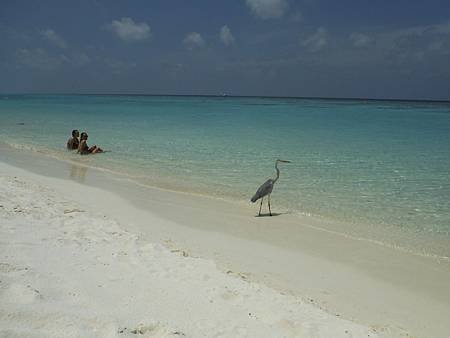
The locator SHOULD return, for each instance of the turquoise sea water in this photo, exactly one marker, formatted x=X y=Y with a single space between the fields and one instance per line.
x=377 y=163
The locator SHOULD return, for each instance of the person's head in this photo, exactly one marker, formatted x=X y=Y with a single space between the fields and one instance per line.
x=75 y=133
x=84 y=136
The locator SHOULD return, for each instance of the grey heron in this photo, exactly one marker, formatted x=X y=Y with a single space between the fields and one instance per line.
x=266 y=188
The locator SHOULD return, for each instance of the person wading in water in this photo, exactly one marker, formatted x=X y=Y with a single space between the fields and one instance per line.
x=73 y=143
x=84 y=149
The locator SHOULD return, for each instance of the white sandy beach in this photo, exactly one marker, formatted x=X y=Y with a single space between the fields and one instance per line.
x=80 y=261
x=69 y=272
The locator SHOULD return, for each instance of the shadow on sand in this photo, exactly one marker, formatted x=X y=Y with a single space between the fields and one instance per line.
x=268 y=215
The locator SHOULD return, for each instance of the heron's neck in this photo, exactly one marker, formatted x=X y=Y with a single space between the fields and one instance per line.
x=278 y=172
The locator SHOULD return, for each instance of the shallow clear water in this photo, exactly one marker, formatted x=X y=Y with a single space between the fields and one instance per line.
x=379 y=163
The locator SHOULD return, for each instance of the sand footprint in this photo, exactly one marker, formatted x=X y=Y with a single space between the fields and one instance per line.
x=151 y=330
x=20 y=294
x=8 y=268
x=230 y=294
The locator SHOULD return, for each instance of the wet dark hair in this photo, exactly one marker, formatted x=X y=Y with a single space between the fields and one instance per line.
x=83 y=135
x=74 y=132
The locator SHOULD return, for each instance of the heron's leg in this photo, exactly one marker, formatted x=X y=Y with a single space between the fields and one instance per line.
x=260 y=206
x=270 y=211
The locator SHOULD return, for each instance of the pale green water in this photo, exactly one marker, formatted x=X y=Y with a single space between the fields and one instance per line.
x=376 y=163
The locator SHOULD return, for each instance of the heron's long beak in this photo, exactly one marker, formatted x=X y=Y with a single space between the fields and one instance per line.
x=284 y=161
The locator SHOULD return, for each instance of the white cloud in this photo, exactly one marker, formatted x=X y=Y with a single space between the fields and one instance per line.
x=53 y=37
x=360 y=40
x=194 y=40
x=38 y=58
x=317 y=41
x=128 y=30
x=415 y=44
x=226 y=36
x=41 y=59
x=268 y=9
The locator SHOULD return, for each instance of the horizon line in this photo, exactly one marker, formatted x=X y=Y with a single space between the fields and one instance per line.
x=238 y=96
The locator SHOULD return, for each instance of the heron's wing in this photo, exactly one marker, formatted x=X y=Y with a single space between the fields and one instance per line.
x=263 y=190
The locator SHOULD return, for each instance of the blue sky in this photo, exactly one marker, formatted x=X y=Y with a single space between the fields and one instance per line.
x=324 y=48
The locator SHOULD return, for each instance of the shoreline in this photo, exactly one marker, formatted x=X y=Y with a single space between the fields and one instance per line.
x=432 y=245
x=342 y=272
